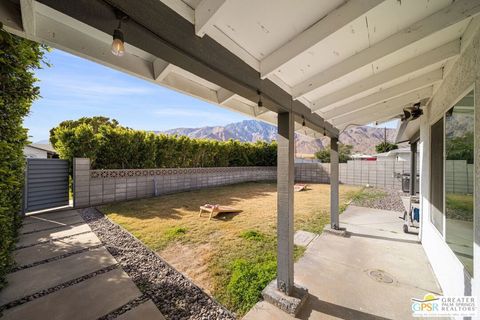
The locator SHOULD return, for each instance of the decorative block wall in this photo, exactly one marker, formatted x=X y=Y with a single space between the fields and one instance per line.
x=106 y=186
x=94 y=187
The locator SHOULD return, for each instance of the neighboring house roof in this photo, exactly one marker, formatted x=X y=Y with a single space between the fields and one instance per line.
x=393 y=153
x=43 y=146
x=360 y=156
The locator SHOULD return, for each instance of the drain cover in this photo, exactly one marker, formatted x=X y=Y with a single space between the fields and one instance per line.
x=380 y=276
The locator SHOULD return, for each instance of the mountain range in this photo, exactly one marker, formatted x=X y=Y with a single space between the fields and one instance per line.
x=362 y=138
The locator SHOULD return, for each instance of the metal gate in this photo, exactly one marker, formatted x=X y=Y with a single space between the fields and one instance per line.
x=46 y=184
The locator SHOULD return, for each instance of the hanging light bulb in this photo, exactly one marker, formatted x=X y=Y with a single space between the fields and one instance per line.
x=118 y=43
x=259 y=103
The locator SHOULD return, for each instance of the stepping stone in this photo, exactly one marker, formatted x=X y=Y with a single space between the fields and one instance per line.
x=144 y=311
x=44 y=276
x=47 y=235
x=303 y=238
x=50 y=216
x=55 y=248
x=89 y=299
x=43 y=224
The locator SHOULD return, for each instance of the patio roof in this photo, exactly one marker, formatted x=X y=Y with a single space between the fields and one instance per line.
x=345 y=62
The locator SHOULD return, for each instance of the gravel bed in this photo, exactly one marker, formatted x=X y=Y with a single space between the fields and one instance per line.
x=173 y=293
x=391 y=201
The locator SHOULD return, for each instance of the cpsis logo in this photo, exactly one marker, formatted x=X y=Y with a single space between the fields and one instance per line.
x=441 y=306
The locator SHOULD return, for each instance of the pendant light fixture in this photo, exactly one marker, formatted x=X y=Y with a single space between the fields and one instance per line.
x=118 y=43
x=259 y=103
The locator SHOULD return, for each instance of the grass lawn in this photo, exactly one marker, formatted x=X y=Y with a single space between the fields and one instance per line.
x=232 y=256
x=459 y=206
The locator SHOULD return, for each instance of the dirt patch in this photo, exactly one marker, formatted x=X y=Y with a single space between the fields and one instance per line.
x=193 y=261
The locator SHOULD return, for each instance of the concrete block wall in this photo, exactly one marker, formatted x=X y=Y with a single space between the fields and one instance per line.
x=81 y=182
x=95 y=187
x=312 y=172
x=380 y=174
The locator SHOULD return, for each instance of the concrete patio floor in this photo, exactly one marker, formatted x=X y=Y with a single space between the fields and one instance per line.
x=371 y=274
x=64 y=272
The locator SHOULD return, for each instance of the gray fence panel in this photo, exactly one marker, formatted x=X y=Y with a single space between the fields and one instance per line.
x=46 y=184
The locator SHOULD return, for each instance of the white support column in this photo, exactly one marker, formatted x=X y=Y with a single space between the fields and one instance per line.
x=334 y=185
x=285 y=177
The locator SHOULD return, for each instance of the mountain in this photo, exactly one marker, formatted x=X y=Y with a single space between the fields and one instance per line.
x=362 y=138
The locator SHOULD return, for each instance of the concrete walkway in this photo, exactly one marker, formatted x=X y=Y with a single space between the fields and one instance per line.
x=372 y=274
x=64 y=272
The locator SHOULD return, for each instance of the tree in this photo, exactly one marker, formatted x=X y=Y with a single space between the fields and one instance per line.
x=94 y=122
x=460 y=148
x=385 y=146
x=18 y=60
x=344 y=152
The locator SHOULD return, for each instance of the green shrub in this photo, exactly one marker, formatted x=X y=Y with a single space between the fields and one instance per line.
x=252 y=235
x=175 y=232
x=111 y=146
x=247 y=282
x=344 y=153
x=18 y=59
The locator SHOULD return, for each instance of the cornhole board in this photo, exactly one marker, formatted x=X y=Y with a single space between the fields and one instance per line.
x=216 y=210
x=299 y=187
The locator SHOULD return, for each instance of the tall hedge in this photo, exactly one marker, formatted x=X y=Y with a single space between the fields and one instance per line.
x=111 y=146
x=18 y=59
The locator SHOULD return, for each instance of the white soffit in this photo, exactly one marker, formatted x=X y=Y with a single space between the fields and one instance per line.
x=261 y=27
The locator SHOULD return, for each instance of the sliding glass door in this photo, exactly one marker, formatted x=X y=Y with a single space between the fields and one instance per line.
x=459 y=180
x=452 y=178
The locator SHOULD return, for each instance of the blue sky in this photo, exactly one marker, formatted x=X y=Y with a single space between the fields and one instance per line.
x=74 y=87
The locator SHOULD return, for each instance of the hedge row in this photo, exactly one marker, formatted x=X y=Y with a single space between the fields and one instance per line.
x=18 y=59
x=111 y=146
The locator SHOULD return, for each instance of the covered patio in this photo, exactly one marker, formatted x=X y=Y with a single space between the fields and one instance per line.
x=371 y=273
x=315 y=68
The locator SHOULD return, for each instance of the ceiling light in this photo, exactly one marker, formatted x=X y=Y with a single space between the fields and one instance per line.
x=118 y=43
x=260 y=103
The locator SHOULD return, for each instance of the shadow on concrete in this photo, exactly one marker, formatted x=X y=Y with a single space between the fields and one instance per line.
x=370 y=236
x=334 y=310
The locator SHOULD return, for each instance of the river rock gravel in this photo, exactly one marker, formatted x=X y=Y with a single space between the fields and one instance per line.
x=173 y=293
x=390 y=201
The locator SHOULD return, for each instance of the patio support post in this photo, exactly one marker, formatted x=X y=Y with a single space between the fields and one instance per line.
x=413 y=167
x=285 y=177
x=334 y=185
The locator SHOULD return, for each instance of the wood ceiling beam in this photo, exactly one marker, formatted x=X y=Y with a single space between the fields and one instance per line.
x=432 y=57
x=325 y=27
x=155 y=28
x=456 y=12
x=386 y=94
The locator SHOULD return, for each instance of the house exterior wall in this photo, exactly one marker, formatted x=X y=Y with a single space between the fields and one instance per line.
x=460 y=78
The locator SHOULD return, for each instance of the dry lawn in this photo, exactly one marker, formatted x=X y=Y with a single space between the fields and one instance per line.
x=205 y=250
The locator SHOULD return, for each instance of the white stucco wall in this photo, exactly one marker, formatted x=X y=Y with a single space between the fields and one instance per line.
x=30 y=152
x=462 y=77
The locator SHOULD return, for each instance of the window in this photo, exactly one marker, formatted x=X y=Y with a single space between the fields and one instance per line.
x=436 y=174
x=452 y=178
x=459 y=180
